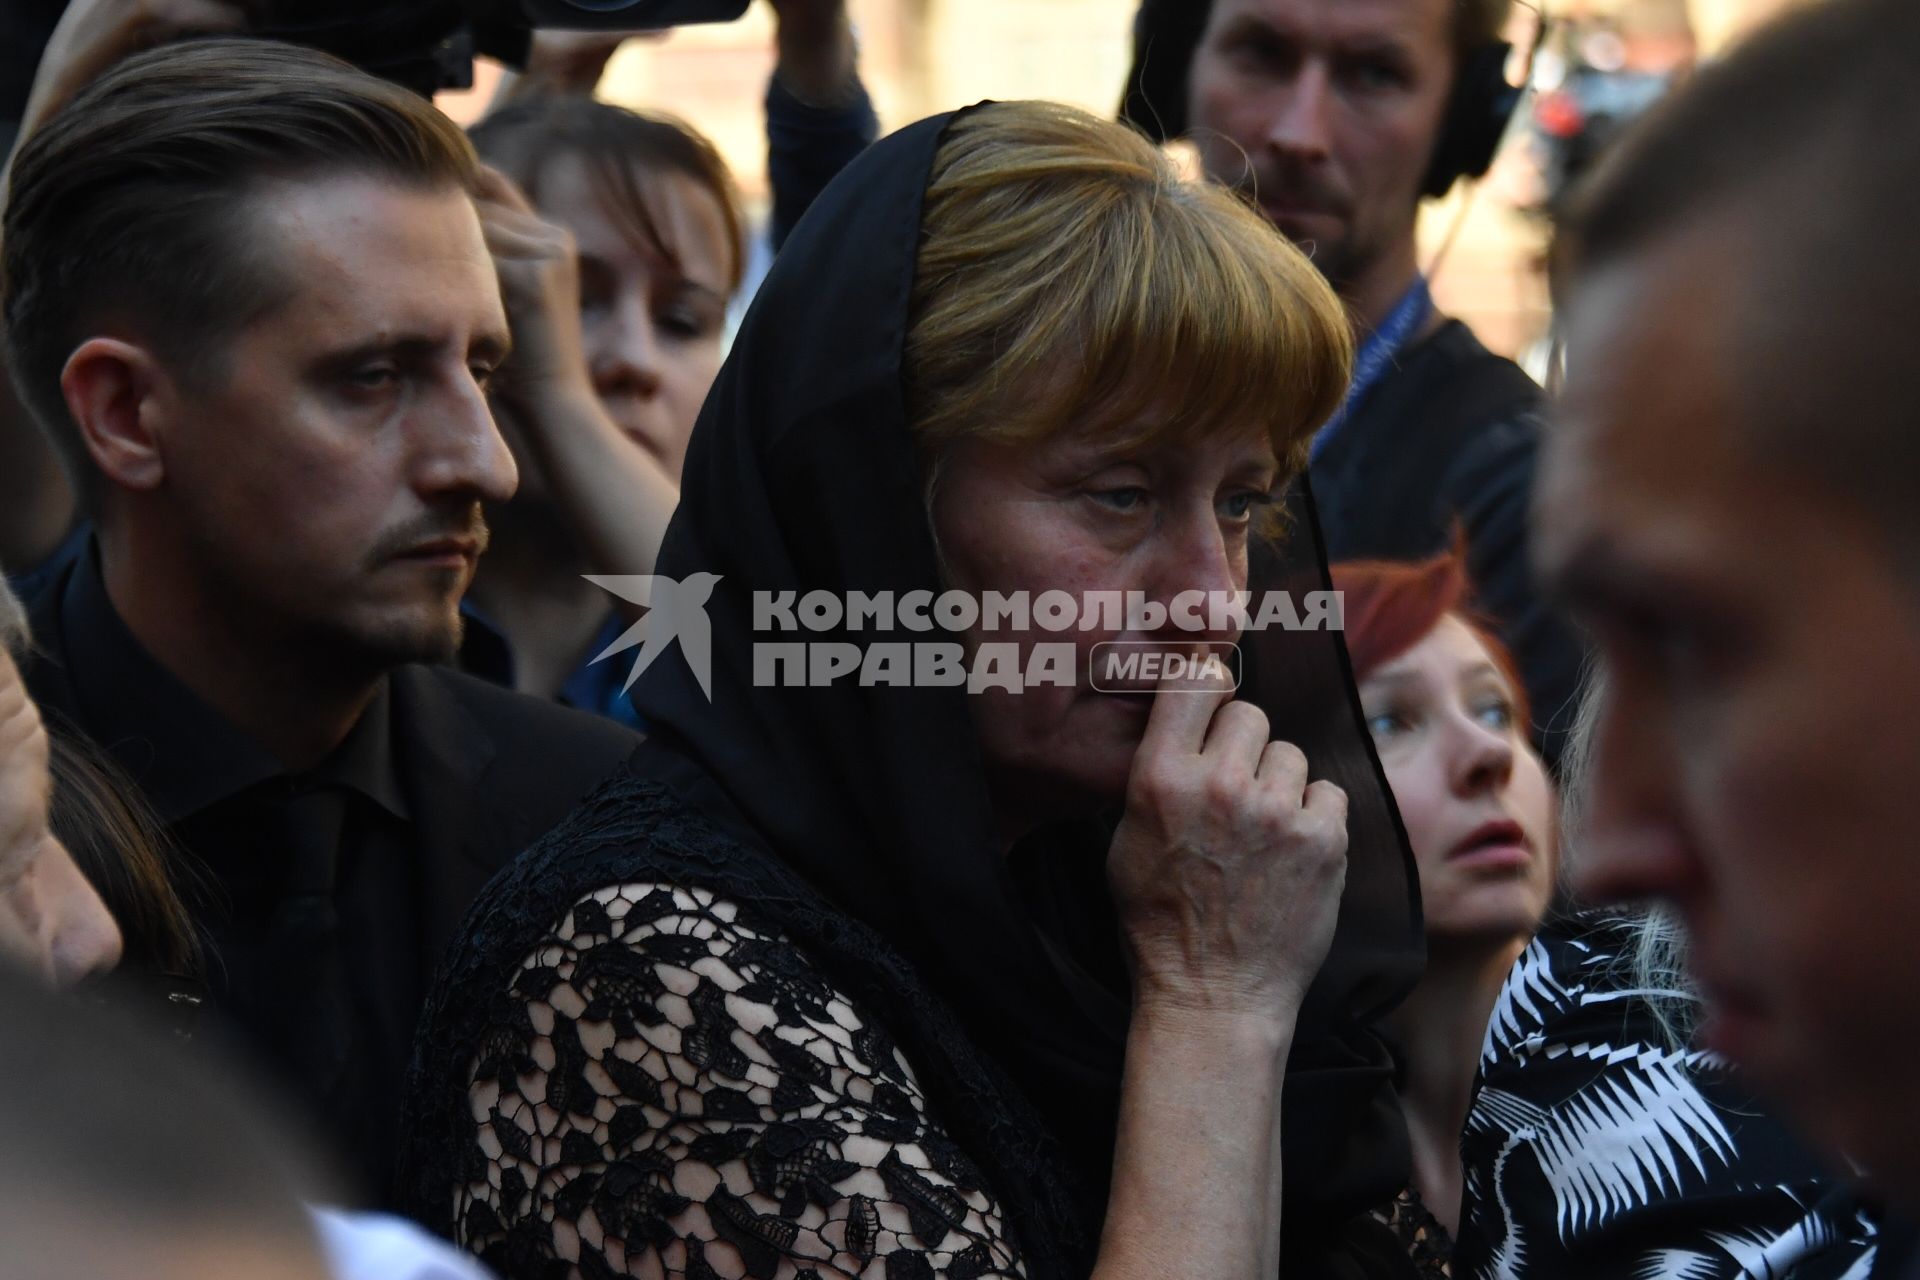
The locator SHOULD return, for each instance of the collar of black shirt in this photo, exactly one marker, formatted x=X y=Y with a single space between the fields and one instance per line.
x=182 y=752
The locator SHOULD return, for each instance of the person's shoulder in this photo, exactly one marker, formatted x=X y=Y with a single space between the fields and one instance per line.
x=1454 y=368
x=1455 y=345
x=522 y=726
x=534 y=760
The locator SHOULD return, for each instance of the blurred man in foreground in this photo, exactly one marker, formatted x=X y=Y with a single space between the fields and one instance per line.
x=1728 y=507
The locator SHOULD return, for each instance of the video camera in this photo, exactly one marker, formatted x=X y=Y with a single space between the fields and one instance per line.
x=429 y=45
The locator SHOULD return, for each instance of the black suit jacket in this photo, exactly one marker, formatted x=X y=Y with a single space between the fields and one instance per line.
x=490 y=771
x=472 y=775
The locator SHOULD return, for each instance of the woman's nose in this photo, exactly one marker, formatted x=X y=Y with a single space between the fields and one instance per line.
x=1196 y=577
x=625 y=352
x=1483 y=756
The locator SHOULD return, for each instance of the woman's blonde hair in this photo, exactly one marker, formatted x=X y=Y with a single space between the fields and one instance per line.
x=1070 y=279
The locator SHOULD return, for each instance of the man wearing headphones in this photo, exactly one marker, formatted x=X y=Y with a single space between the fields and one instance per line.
x=1337 y=117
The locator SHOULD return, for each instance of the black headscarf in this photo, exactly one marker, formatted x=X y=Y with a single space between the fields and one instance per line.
x=803 y=476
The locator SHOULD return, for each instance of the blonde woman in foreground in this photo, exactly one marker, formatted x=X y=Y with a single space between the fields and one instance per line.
x=867 y=972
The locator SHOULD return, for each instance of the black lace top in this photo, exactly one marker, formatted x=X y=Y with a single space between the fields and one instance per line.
x=654 y=1075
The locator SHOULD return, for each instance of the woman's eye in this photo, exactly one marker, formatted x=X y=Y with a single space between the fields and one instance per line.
x=681 y=324
x=1128 y=498
x=1384 y=724
x=1497 y=714
x=1241 y=506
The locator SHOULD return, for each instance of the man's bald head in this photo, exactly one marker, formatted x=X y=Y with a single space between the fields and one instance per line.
x=1800 y=154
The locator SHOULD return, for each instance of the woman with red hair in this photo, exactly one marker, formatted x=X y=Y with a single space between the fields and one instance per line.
x=1449 y=719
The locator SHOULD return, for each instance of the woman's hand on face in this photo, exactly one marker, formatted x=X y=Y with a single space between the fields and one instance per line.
x=1228 y=865
x=539 y=271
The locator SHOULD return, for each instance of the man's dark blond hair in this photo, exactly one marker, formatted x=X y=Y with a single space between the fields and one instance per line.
x=127 y=211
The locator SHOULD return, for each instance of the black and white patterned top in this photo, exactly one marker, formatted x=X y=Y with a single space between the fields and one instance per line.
x=1595 y=1148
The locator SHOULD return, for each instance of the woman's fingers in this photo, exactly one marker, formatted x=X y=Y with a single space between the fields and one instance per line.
x=1177 y=725
x=1283 y=771
x=1235 y=741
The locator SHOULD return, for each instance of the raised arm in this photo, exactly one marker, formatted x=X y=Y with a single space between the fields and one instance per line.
x=613 y=491
x=818 y=114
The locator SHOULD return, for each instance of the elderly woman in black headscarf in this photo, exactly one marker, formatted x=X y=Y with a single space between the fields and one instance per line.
x=863 y=972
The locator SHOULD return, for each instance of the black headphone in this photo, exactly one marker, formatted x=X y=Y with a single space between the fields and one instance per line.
x=1166 y=34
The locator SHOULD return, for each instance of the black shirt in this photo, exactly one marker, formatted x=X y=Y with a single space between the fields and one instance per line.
x=243 y=823
x=326 y=896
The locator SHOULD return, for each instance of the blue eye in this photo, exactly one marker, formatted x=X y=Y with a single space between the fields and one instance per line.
x=1497 y=714
x=1241 y=506
x=1385 y=724
x=1127 y=499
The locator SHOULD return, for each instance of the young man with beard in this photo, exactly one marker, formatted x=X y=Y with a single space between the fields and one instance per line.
x=247 y=293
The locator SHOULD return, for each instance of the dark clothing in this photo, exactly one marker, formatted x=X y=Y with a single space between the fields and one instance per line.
x=1421 y=1234
x=25 y=26
x=852 y=828
x=327 y=896
x=1597 y=1148
x=807 y=146
x=1451 y=436
x=594 y=686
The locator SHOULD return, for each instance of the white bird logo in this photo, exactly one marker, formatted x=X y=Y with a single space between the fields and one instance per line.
x=674 y=609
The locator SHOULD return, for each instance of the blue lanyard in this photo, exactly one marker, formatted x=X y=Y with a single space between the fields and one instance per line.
x=1377 y=353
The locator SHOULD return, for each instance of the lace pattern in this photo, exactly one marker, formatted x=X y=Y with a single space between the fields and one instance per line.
x=635 y=1063
x=1428 y=1245
x=682 y=1093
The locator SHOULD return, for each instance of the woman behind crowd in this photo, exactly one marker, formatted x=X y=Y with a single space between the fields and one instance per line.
x=1449 y=717
x=620 y=242
x=859 y=976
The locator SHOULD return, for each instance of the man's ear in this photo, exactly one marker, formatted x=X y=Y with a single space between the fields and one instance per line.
x=119 y=397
